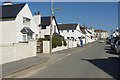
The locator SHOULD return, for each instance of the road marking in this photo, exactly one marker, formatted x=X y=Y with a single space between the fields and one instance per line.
x=42 y=68
x=95 y=58
x=57 y=60
x=68 y=54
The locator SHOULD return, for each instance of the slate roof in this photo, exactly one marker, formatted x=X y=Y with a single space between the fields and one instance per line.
x=82 y=29
x=45 y=21
x=10 y=11
x=26 y=30
x=89 y=31
x=100 y=30
x=67 y=26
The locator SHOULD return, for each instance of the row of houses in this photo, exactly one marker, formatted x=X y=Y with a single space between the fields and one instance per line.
x=20 y=25
x=17 y=24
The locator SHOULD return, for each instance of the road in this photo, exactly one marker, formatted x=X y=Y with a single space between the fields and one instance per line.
x=96 y=61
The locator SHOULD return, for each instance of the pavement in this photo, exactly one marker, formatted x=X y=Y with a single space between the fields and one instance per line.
x=21 y=65
x=92 y=61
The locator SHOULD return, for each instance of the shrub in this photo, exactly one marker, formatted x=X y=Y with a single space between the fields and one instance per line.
x=58 y=39
x=43 y=39
x=64 y=43
x=54 y=43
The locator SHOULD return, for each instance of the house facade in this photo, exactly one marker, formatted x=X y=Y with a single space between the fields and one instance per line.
x=70 y=31
x=17 y=23
x=101 y=33
x=44 y=25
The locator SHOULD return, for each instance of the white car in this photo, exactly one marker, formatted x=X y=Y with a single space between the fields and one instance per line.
x=101 y=41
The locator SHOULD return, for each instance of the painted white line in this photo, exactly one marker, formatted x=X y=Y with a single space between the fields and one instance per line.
x=42 y=68
x=68 y=54
x=57 y=60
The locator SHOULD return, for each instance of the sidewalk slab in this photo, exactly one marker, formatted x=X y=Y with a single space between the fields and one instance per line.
x=21 y=64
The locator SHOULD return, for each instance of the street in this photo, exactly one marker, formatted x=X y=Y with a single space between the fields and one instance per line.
x=95 y=61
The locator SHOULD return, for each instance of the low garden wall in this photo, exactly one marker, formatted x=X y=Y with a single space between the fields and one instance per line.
x=59 y=48
x=14 y=52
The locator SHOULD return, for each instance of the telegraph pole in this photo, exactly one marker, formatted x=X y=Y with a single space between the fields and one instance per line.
x=51 y=27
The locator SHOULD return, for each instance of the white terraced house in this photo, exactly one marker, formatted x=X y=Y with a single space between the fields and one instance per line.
x=44 y=25
x=17 y=26
x=17 y=23
x=101 y=34
x=70 y=31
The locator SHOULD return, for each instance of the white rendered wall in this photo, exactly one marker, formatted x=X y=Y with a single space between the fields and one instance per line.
x=25 y=12
x=68 y=34
x=14 y=52
x=46 y=46
x=37 y=19
x=77 y=33
x=8 y=31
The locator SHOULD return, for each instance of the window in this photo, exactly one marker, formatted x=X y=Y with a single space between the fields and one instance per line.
x=26 y=21
x=67 y=30
x=79 y=38
x=72 y=30
x=29 y=36
x=118 y=42
x=36 y=36
x=72 y=38
x=68 y=37
x=54 y=29
x=47 y=36
x=43 y=27
x=24 y=37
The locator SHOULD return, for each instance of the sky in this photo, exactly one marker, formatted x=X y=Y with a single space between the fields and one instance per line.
x=98 y=15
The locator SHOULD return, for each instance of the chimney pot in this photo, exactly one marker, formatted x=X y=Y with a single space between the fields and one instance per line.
x=35 y=13
x=38 y=12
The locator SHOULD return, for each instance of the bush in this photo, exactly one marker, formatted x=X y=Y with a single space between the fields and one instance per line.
x=43 y=39
x=54 y=43
x=58 y=39
x=64 y=43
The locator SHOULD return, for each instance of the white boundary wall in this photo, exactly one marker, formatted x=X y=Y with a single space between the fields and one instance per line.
x=46 y=46
x=59 y=48
x=14 y=52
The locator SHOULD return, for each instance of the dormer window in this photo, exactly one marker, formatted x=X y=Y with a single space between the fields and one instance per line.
x=26 y=21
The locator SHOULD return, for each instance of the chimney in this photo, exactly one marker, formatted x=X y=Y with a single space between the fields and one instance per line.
x=38 y=13
x=7 y=3
x=37 y=18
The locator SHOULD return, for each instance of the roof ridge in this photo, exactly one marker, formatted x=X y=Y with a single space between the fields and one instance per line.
x=13 y=4
x=68 y=24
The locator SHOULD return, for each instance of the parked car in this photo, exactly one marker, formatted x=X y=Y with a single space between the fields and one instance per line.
x=117 y=47
x=101 y=41
x=113 y=42
x=108 y=41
